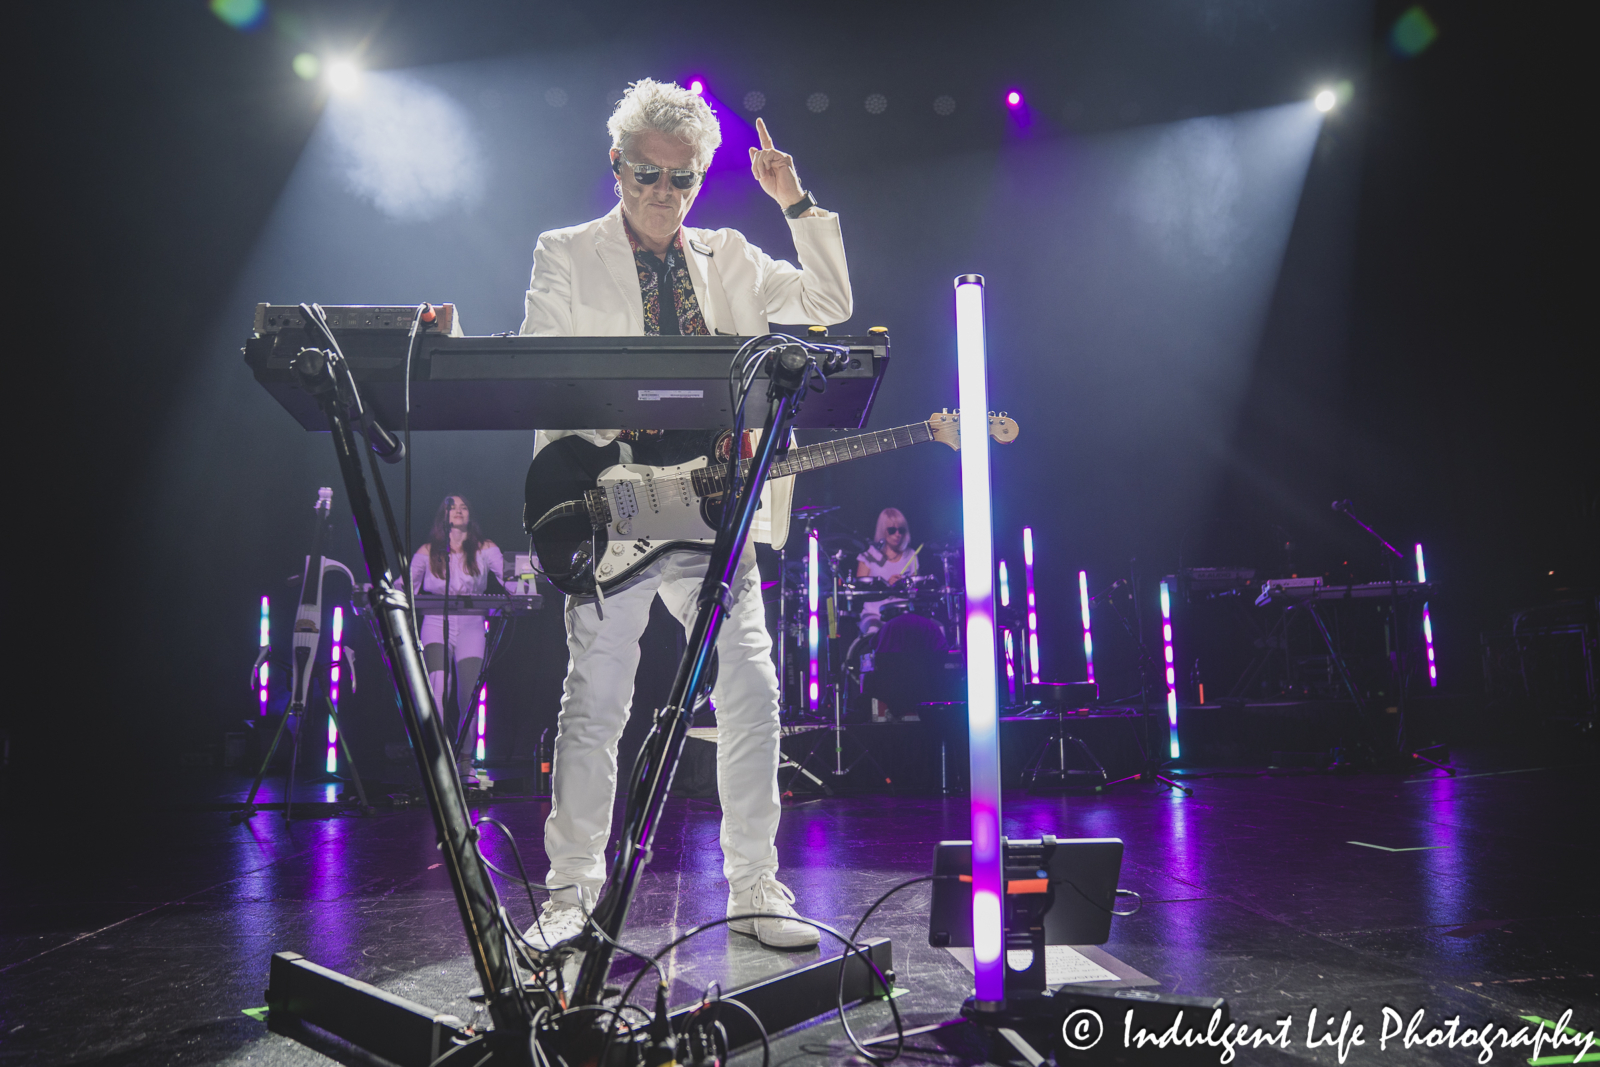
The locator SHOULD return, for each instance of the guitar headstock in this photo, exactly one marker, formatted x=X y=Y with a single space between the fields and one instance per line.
x=946 y=427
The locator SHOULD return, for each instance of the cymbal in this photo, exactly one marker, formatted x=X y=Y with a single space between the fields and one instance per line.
x=809 y=510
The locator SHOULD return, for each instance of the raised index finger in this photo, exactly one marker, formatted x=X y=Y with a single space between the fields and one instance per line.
x=761 y=131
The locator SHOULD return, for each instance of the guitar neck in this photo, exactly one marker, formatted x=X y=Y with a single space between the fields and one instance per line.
x=714 y=479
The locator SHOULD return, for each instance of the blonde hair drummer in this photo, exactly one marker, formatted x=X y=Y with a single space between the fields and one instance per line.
x=888 y=560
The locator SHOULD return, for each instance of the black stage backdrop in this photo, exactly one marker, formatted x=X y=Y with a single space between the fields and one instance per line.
x=1212 y=312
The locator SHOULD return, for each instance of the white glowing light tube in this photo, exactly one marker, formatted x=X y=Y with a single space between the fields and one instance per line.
x=1427 y=623
x=1172 y=674
x=983 y=722
x=815 y=689
x=1088 y=638
x=332 y=763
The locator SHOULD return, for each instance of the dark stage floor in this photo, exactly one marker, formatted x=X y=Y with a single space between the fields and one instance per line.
x=142 y=942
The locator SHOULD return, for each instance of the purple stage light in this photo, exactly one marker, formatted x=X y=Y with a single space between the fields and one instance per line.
x=483 y=722
x=1013 y=99
x=1033 y=605
x=811 y=607
x=697 y=87
x=1172 y=674
x=266 y=642
x=1427 y=623
x=1088 y=639
x=1010 y=645
x=332 y=763
x=983 y=713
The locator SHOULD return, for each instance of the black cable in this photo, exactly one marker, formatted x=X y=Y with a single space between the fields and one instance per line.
x=516 y=853
x=411 y=348
x=383 y=498
x=766 y=1045
x=850 y=948
x=1096 y=903
x=900 y=1039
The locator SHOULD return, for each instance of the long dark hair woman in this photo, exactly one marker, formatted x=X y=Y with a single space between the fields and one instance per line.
x=458 y=560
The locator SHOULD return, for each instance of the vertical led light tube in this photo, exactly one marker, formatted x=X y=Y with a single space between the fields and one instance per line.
x=266 y=666
x=814 y=690
x=1033 y=604
x=1011 y=654
x=983 y=714
x=483 y=722
x=1088 y=637
x=336 y=652
x=1172 y=673
x=1427 y=623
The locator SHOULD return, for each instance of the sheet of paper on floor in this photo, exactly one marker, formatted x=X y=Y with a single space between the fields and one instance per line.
x=1062 y=964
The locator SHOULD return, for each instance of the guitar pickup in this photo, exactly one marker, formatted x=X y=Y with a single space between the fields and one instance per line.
x=624 y=504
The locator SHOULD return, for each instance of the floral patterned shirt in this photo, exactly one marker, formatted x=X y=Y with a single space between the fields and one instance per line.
x=677 y=311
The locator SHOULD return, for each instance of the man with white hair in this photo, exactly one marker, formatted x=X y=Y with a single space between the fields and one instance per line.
x=640 y=270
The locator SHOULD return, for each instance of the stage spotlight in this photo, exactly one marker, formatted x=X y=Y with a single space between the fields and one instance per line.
x=1013 y=99
x=697 y=87
x=343 y=76
x=1325 y=100
x=307 y=66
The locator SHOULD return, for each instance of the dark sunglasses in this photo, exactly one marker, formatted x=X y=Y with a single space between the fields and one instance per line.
x=896 y=529
x=647 y=173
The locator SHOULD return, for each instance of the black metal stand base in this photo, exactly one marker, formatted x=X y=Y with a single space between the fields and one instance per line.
x=413 y=1035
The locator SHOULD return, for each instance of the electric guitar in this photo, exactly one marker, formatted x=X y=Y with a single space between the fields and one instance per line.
x=595 y=521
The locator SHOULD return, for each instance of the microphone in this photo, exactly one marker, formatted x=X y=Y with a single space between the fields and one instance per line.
x=1341 y=505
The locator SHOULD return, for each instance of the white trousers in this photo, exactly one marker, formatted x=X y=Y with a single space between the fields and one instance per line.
x=603 y=643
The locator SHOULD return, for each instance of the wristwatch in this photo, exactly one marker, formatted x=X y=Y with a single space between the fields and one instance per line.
x=794 y=211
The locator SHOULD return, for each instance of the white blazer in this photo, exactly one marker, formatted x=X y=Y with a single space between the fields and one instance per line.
x=585 y=283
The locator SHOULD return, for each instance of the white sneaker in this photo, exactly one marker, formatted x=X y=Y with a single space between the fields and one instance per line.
x=772 y=897
x=559 y=920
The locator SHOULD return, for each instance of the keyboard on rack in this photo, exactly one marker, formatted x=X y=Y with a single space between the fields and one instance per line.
x=509 y=382
x=492 y=605
x=1281 y=589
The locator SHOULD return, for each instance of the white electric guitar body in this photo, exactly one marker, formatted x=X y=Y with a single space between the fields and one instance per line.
x=600 y=526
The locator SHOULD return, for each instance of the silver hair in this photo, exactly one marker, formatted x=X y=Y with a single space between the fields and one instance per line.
x=668 y=108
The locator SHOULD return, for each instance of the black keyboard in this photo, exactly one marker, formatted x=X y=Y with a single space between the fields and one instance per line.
x=551 y=383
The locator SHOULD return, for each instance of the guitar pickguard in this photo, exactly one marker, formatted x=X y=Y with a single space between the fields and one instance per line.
x=652 y=509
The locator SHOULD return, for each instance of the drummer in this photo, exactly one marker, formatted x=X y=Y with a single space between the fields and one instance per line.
x=887 y=560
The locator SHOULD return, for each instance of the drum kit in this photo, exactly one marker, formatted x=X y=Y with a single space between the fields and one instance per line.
x=882 y=647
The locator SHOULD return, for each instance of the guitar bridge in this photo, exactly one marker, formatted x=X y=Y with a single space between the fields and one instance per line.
x=599 y=509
